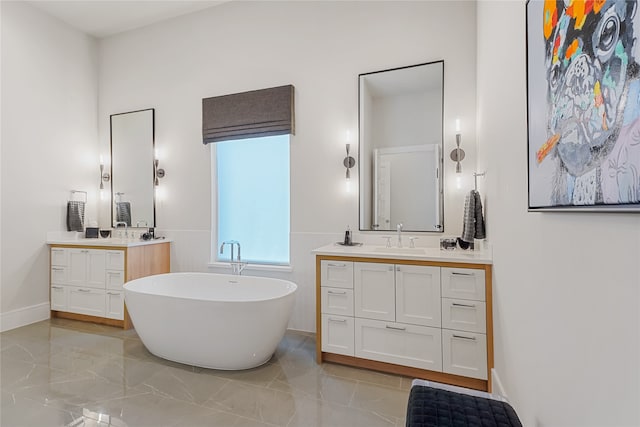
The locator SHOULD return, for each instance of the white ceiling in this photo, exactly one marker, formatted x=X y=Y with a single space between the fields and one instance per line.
x=103 y=18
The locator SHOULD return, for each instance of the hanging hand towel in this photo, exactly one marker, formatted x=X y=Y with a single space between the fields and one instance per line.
x=479 y=217
x=75 y=216
x=473 y=225
x=469 y=220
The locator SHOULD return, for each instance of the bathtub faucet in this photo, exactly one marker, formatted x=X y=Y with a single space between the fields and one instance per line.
x=237 y=266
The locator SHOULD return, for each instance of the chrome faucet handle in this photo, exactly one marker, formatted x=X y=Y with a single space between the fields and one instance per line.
x=412 y=241
x=388 y=245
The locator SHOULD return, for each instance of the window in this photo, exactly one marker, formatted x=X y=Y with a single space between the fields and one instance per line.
x=251 y=198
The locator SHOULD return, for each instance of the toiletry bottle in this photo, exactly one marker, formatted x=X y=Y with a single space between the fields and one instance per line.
x=347 y=236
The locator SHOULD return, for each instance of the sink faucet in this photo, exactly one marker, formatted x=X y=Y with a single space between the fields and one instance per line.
x=236 y=266
x=126 y=233
x=399 y=228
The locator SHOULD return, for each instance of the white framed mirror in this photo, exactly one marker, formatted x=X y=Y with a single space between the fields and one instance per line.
x=132 y=168
x=401 y=144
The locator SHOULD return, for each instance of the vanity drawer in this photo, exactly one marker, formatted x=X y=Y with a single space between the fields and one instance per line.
x=464 y=315
x=463 y=283
x=337 y=334
x=115 y=260
x=59 y=297
x=464 y=353
x=114 y=308
x=59 y=275
x=336 y=274
x=399 y=343
x=86 y=301
x=59 y=256
x=337 y=301
x=114 y=279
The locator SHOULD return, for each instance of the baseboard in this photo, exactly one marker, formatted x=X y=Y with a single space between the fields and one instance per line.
x=24 y=316
x=497 y=387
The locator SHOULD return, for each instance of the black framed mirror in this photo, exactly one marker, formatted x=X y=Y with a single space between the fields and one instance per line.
x=401 y=116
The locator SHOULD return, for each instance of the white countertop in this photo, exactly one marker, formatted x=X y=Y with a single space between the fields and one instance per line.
x=110 y=242
x=422 y=254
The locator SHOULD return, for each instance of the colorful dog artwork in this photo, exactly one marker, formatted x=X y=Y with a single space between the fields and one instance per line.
x=583 y=104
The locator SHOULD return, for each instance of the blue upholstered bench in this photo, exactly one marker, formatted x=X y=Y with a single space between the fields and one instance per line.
x=440 y=405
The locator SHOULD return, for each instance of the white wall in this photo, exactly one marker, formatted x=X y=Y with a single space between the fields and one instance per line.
x=49 y=133
x=566 y=285
x=320 y=48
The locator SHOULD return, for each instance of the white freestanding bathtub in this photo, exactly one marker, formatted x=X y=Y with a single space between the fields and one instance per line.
x=218 y=321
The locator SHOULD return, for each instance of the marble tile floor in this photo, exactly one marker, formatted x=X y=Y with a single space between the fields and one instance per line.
x=66 y=373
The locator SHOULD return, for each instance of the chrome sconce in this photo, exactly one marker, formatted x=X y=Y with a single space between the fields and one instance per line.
x=104 y=176
x=157 y=172
x=457 y=154
x=348 y=163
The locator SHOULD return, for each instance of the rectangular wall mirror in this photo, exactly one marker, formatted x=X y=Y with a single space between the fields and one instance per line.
x=400 y=153
x=132 y=168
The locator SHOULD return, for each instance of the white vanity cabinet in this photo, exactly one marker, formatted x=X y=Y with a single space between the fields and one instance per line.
x=418 y=318
x=79 y=279
x=87 y=281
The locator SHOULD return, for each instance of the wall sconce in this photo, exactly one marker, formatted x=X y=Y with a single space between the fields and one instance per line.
x=104 y=176
x=348 y=163
x=457 y=155
x=157 y=172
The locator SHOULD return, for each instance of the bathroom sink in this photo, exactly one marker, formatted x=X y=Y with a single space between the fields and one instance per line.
x=407 y=251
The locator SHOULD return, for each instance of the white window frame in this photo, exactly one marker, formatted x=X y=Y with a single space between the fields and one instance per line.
x=213 y=259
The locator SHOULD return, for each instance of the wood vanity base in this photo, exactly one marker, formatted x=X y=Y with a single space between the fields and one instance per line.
x=124 y=324
x=87 y=318
x=406 y=371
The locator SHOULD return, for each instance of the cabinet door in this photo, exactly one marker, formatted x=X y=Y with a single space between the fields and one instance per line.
x=336 y=274
x=463 y=283
x=337 y=301
x=464 y=353
x=77 y=272
x=114 y=279
x=96 y=273
x=59 y=256
x=374 y=291
x=86 y=301
x=337 y=334
x=409 y=345
x=464 y=315
x=58 y=298
x=418 y=295
x=114 y=305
